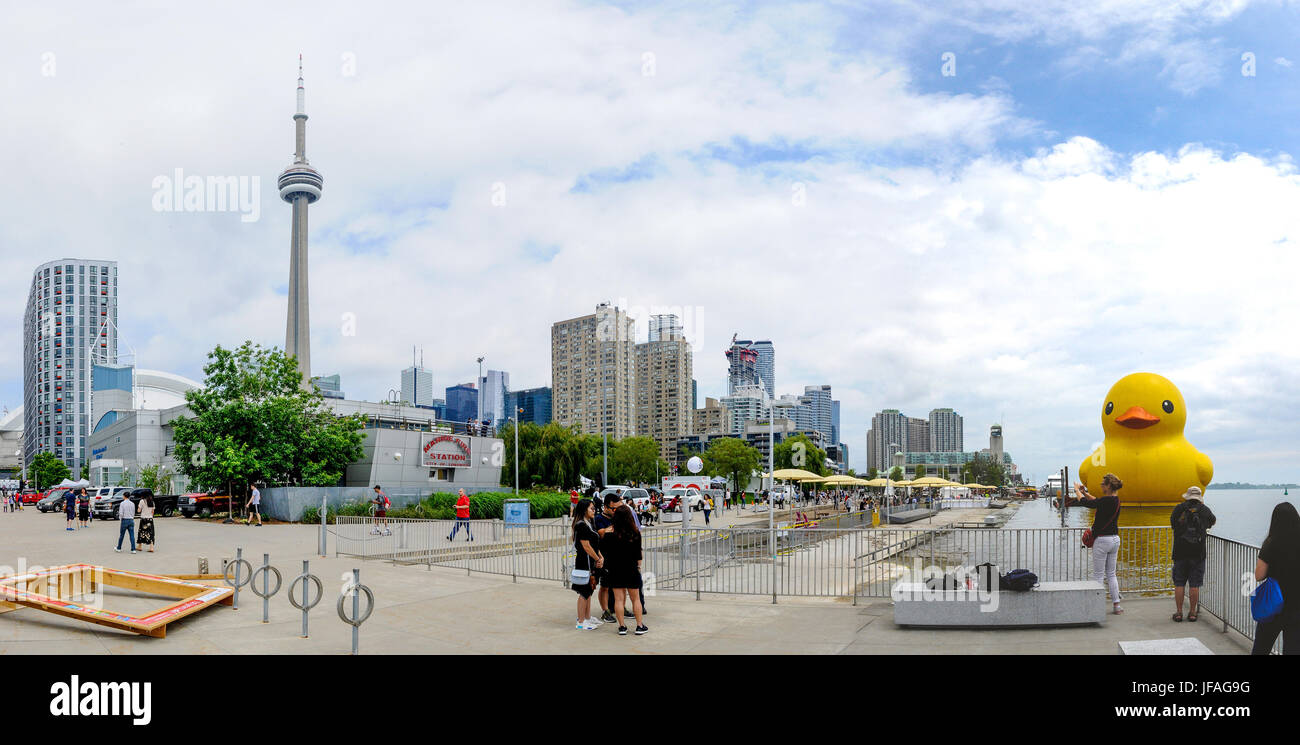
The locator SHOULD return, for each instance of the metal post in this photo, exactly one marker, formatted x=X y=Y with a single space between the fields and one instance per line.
x=266 y=588
x=323 y=510
x=239 y=560
x=514 y=573
x=1223 y=593
x=356 y=608
x=697 y=566
x=1062 y=475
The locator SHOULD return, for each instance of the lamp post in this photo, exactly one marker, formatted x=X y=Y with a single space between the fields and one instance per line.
x=771 y=481
x=480 y=390
x=518 y=412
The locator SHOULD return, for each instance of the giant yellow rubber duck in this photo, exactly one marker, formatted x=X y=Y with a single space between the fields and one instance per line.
x=1143 y=418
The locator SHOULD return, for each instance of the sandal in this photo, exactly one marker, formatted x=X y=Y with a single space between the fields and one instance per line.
x=1192 y=616
x=1178 y=617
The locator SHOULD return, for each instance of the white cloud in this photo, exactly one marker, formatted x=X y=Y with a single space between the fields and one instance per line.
x=1016 y=288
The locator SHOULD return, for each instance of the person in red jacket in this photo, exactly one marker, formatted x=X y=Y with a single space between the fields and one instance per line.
x=462 y=517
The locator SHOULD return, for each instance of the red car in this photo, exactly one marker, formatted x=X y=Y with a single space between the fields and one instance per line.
x=31 y=497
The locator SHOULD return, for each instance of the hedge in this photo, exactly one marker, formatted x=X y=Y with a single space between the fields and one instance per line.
x=442 y=506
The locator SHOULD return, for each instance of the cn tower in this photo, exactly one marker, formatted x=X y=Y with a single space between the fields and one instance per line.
x=300 y=185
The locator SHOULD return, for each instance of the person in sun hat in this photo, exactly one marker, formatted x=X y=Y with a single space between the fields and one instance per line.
x=1190 y=520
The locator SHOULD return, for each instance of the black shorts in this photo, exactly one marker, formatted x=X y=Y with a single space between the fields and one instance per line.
x=1190 y=572
x=583 y=590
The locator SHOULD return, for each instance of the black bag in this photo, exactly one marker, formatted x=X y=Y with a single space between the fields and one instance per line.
x=988 y=575
x=1019 y=580
x=1192 y=526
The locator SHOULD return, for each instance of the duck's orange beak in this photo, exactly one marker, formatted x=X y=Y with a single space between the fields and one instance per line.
x=1136 y=418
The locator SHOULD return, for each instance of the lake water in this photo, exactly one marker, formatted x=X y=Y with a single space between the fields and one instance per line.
x=1243 y=514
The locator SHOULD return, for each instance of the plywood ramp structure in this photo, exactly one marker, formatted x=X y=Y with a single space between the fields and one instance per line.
x=63 y=591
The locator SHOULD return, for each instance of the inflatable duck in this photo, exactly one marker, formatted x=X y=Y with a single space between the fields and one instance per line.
x=1143 y=418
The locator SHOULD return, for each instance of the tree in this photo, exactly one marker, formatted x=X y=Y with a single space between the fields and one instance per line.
x=732 y=458
x=896 y=474
x=149 y=478
x=873 y=473
x=85 y=471
x=982 y=470
x=798 y=451
x=634 y=460
x=48 y=470
x=253 y=420
x=919 y=471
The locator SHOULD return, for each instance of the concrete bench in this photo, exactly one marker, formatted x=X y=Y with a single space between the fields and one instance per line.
x=1049 y=604
x=1186 y=645
x=908 y=516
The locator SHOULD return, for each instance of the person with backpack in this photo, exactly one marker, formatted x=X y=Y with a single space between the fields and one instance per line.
x=1190 y=521
x=1279 y=558
x=380 y=520
x=1104 y=533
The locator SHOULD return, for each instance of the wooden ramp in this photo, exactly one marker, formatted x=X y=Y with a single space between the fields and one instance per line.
x=64 y=591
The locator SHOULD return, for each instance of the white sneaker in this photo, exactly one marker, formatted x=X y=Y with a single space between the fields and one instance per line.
x=584 y=626
x=375 y=531
x=595 y=621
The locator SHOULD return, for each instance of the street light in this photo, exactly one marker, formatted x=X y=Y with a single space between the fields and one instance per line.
x=480 y=390
x=516 y=418
x=771 y=479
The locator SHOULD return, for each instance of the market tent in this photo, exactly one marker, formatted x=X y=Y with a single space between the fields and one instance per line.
x=933 y=481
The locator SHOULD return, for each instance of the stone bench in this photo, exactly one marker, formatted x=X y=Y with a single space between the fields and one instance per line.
x=1049 y=604
x=908 y=516
x=1186 y=645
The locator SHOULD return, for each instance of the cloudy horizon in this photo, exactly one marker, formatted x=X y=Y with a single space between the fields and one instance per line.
x=985 y=207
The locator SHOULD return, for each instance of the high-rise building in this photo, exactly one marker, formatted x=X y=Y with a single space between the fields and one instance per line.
x=462 y=402
x=995 y=443
x=742 y=367
x=69 y=325
x=665 y=327
x=710 y=420
x=331 y=386
x=417 y=386
x=918 y=435
x=493 y=387
x=946 y=431
x=835 y=426
x=663 y=385
x=535 y=402
x=695 y=393
x=593 y=372
x=888 y=435
x=300 y=185
x=749 y=403
x=766 y=365
x=818 y=410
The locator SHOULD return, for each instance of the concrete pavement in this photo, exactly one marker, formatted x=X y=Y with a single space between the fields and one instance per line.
x=443 y=611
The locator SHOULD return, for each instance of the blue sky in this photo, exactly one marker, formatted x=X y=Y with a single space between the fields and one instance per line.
x=1096 y=190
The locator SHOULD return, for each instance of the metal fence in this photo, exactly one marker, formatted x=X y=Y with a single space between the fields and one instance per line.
x=836 y=557
x=1229 y=580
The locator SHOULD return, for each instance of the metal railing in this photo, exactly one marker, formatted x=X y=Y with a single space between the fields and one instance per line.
x=1229 y=580
x=836 y=557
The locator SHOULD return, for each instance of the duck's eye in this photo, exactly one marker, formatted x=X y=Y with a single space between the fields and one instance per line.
x=1168 y=406
x=1110 y=407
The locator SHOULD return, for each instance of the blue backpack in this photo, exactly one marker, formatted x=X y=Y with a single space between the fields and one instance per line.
x=1019 y=580
x=1266 y=600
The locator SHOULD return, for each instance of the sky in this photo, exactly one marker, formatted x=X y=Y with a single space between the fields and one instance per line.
x=994 y=206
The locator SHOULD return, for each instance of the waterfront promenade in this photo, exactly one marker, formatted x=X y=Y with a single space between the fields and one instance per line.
x=440 y=610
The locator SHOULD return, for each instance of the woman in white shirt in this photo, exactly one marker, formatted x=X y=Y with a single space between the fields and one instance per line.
x=146 y=523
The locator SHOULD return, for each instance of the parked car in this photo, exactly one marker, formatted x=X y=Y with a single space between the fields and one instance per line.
x=106 y=509
x=638 y=498
x=203 y=504
x=101 y=493
x=691 y=497
x=52 y=501
x=31 y=497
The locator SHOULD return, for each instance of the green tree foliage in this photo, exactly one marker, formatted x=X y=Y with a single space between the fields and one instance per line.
x=254 y=421
x=47 y=470
x=919 y=471
x=982 y=470
x=873 y=473
x=732 y=458
x=896 y=473
x=797 y=451
x=634 y=460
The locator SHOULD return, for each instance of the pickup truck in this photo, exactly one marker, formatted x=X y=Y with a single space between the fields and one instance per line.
x=164 y=505
x=203 y=504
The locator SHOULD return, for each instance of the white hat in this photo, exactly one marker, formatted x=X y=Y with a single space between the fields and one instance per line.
x=1193 y=492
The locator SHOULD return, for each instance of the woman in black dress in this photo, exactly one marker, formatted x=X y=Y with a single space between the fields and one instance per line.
x=621 y=549
x=585 y=543
x=1279 y=558
x=146 y=523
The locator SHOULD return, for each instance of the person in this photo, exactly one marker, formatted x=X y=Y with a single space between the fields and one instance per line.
x=83 y=508
x=462 y=517
x=585 y=543
x=70 y=507
x=1279 y=558
x=574 y=498
x=381 y=504
x=604 y=523
x=1190 y=520
x=708 y=508
x=621 y=549
x=126 y=518
x=146 y=522
x=253 y=505
x=1105 y=533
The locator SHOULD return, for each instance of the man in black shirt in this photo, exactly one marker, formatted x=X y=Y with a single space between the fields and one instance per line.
x=604 y=523
x=1190 y=520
